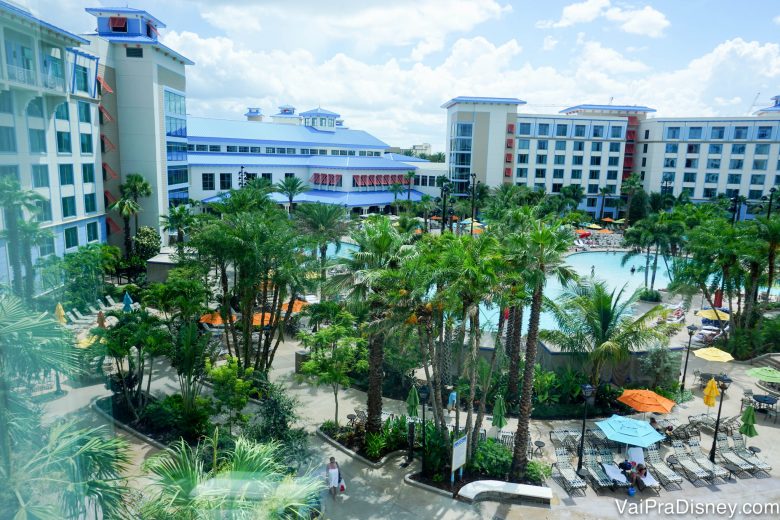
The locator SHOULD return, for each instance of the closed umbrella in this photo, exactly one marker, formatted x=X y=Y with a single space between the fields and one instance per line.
x=646 y=401
x=128 y=302
x=748 y=427
x=412 y=402
x=629 y=431
x=713 y=354
x=59 y=313
x=768 y=374
x=711 y=392
x=499 y=412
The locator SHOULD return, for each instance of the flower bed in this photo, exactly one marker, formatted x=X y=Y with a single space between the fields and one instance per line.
x=371 y=446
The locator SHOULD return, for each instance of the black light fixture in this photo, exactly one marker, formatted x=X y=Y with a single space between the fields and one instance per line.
x=445 y=191
x=587 y=392
x=772 y=192
x=691 y=331
x=723 y=384
x=424 y=392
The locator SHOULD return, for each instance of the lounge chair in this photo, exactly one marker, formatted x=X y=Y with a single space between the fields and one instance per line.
x=702 y=421
x=638 y=455
x=730 y=425
x=111 y=301
x=666 y=475
x=507 y=439
x=704 y=462
x=728 y=454
x=610 y=468
x=571 y=482
x=596 y=474
x=76 y=320
x=741 y=449
x=692 y=470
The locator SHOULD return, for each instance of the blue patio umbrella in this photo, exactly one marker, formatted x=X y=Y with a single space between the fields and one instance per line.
x=128 y=301
x=629 y=431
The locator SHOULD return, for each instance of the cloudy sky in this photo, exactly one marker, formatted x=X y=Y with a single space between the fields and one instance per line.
x=387 y=66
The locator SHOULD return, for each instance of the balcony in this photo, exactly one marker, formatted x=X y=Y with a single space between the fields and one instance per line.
x=20 y=74
x=53 y=82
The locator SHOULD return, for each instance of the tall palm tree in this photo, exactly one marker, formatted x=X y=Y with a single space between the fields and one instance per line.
x=600 y=325
x=409 y=177
x=325 y=224
x=31 y=235
x=426 y=206
x=135 y=187
x=127 y=208
x=769 y=232
x=178 y=219
x=290 y=187
x=396 y=189
x=629 y=187
x=572 y=196
x=604 y=193
x=14 y=201
x=546 y=244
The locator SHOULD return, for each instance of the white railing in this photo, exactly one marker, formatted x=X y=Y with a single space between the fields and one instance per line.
x=53 y=82
x=20 y=74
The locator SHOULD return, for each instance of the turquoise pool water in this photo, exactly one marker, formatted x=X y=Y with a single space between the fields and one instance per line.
x=344 y=251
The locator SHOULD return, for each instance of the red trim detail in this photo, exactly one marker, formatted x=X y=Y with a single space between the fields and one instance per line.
x=106 y=115
x=507 y=172
x=105 y=85
x=508 y=157
x=315 y=178
x=115 y=228
x=510 y=143
x=115 y=22
x=152 y=27
x=370 y=181
x=110 y=171
x=338 y=179
x=107 y=143
x=109 y=196
x=510 y=128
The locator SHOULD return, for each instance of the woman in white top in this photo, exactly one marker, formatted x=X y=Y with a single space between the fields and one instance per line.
x=332 y=472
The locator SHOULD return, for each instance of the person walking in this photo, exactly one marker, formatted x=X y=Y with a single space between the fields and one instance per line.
x=333 y=477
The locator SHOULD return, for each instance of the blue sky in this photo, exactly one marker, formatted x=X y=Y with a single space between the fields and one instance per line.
x=388 y=66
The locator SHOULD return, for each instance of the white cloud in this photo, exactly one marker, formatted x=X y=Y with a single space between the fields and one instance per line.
x=549 y=43
x=723 y=102
x=596 y=57
x=777 y=19
x=646 y=21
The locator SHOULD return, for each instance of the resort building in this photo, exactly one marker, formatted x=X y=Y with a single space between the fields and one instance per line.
x=342 y=166
x=49 y=131
x=597 y=146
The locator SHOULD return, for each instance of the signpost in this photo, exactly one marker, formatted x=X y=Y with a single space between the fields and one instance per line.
x=459 y=449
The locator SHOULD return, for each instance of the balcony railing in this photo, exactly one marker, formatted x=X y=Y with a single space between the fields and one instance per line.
x=20 y=74
x=53 y=82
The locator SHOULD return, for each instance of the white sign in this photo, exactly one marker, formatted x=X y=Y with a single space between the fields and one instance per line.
x=459 y=453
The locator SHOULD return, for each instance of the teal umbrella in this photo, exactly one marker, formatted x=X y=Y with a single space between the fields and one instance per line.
x=128 y=302
x=499 y=412
x=768 y=374
x=412 y=402
x=748 y=427
x=629 y=431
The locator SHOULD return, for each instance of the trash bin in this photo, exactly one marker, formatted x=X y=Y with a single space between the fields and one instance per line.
x=301 y=356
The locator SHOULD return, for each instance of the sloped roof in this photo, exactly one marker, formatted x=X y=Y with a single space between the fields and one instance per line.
x=607 y=108
x=16 y=10
x=483 y=101
x=319 y=112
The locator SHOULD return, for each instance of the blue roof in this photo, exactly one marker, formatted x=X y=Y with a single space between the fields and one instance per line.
x=403 y=158
x=201 y=128
x=341 y=198
x=293 y=116
x=607 y=108
x=483 y=100
x=341 y=162
x=108 y=11
x=320 y=112
x=144 y=40
x=26 y=15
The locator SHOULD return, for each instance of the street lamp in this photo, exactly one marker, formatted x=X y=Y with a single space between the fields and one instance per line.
x=423 y=393
x=445 y=191
x=771 y=199
x=587 y=391
x=723 y=385
x=691 y=331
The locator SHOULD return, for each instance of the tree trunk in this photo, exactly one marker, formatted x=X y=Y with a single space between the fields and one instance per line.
x=29 y=273
x=771 y=258
x=486 y=390
x=376 y=354
x=655 y=266
x=520 y=455
x=474 y=318
x=647 y=265
x=128 y=243
x=336 y=399
x=323 y=274
x=10 y=217
x=516 y=322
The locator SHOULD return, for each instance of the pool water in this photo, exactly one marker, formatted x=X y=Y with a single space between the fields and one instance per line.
x=343 y=252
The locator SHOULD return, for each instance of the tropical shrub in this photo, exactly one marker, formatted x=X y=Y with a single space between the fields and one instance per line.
x=167 y=419
x=491 y=459
x=375 y=444
x=662 y=366
x=436 y=450
x=649 y=295
x=147 y=242
x=545 y=386
x=537 y=472
x=395 y=433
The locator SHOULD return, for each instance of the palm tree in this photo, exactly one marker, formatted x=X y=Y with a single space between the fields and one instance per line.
x=396 y=189
x=629 y=187
x=572 y=196
x=325 y=224
x=600 y=325
x=769 y=232
x=184 y=488
x=409 y=177
x=290 y=187
x=31 y=235
x=126 y=207
x=14 y=201
x=546 y=244
x=426 y=206
x=178 y=219
x=604 y=193
x=135 y=187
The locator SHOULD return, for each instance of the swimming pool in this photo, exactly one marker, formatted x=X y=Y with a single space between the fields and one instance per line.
x=344 y=251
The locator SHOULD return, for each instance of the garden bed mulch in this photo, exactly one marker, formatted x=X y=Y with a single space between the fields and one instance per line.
x=115 y=407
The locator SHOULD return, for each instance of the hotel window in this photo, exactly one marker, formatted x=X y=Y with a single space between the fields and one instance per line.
x=759 y=164
x=46 y=247
x=736 y=164
x=62 y=112
x=709 y=193
x=576 y=174
x=289 y=175
x=734 y=178
x=175 y=126
x=541 y=159
x=225 y=181
x=647 y=134
x=758 y=179
x=598 y=131
x=234 y=149
x=82 y=77
x=68 y=207
x=43 y=210
x=591 y=203
x=71 y=237
x=85 y=113
x=556 y=188
x=63 y=142
x=176 y=151
x=644 y=162
x=711 y=178
x=37 y=140
x=201 y=148
x=88 y=173
x=762 y=149
x=40 y=176
x=85 y=142
x=613 y=161
x=595 y=147
x=522 y=129
x=616 y=132
x=92 y=232
x=671 y=148
x=579 y=130
x=523 y=144
x=543 y=129
x=644 y=148
x=755 y=194
x=7 y=139
x=190 y=147
x=561 y=130
x=612 y=175
x=243 y=149
x=694 y=132
x=673 y=132
x=252 y=149
x=668 y=177
x=692 y=148
x=670 y=162
x=691 y=163
x=558 y=173
x=268 y=149
x=777 y=180
x=713 y=164
x=559 y=159
x=90 y=203
x=560 y=146
x=688 y=191
x=737 y=149
x=341 y=152
x=689 y=177
x=539 y=186
x=594 y=175
x=717 y=132
x=764 y=132
x=740 y=132
x=541 y=145
x=614 y=147
x=579 y=146
x=715 y=149
x=541 y=173
x=593 y=188
x=577 y=160
x=177 y=175
x=66 y=174
x=266 y=177
x=595 y=161
x=207 y=181
x=522 y=158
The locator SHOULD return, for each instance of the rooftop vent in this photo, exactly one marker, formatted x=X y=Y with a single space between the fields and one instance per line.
x=254 y=114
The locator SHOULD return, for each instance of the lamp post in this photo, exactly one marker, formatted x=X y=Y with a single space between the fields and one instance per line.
x=424 y=392
x=587 y=391
x=474 y=183
x=241 y=177
x=691 y=331
x=445 y=191
x=770 y=201
x=723 y=385
x=735 y=207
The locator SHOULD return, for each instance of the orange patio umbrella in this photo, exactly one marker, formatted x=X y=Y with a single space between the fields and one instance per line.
x=605 y=231
x=477 y=231
x=607 y=219
x=297 y=306
x=262 y=319
x=646 y=401
x=215 y=318
x=435 y=218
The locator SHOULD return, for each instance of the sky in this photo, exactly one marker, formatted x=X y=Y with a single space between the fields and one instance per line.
x=388 y=66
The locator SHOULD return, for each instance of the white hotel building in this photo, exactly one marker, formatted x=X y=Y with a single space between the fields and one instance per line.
x=597 y=146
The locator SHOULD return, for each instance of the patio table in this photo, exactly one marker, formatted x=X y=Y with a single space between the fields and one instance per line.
x=765 y=401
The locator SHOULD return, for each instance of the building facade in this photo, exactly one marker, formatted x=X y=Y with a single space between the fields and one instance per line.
x=597 y=146
x=49 y=131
